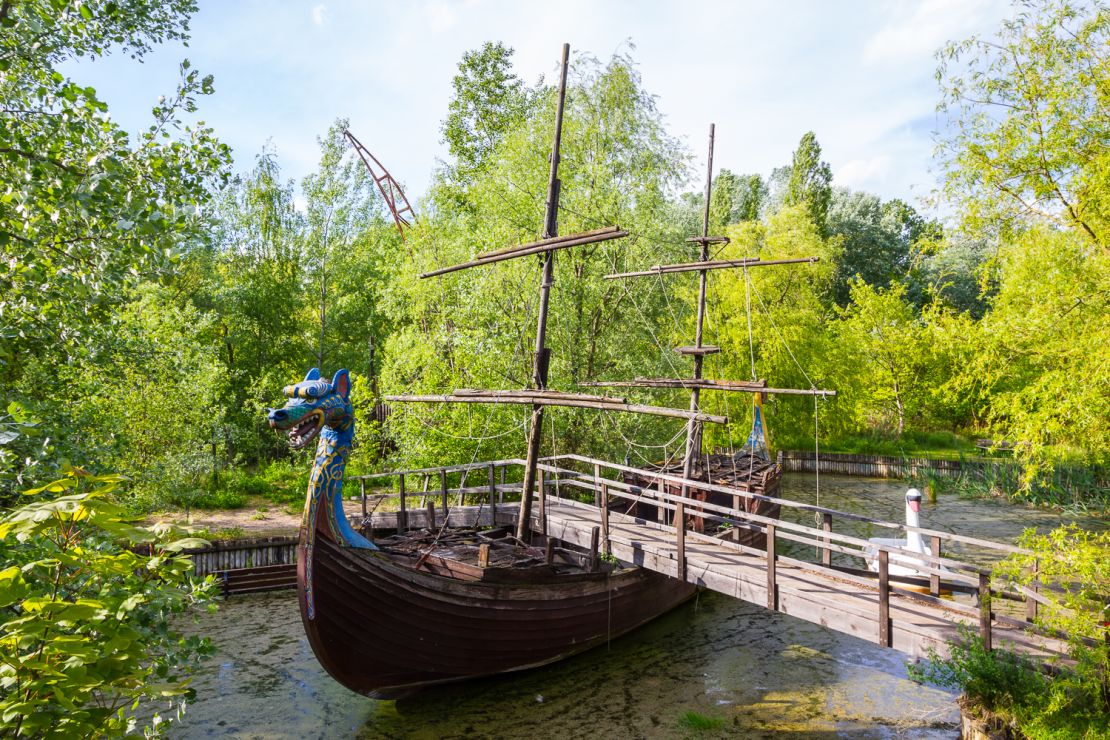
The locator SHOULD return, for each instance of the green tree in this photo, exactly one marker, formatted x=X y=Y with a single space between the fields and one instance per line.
x=810 y=181
x=1028 y=120
x=882 y=334
x=348 y=248
x=154 y=401
x=790 y=308
x=86 y=213
x=878 y=239
x=488 y=99
x=87 y=599
x=1040 y=372
x=476 y=328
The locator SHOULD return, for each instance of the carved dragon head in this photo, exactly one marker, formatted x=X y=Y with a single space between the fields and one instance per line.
x=316 y=407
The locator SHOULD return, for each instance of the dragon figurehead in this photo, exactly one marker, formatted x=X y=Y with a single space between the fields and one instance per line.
x=321 y=410
x=316 y=407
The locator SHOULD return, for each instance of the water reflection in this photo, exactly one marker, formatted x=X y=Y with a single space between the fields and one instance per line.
x=757 y=674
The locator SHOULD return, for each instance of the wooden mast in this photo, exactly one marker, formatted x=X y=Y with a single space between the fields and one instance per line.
x=542 y=357
x=693 y=426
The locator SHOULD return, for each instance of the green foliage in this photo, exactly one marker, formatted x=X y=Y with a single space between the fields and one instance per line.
x=1075 y=702
x=809 y=183
x=488 y=100
x=877 y=239
x=474 y=329
x=87 y=598
x=86 y=211
x=998 y=681
x=1028 y=123
x=1039 y=370
x=699 y=722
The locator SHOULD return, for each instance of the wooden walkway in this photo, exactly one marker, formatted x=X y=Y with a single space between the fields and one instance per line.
x=910 y=617
x=810 y=592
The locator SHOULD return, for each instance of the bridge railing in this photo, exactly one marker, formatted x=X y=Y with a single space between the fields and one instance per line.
x=590 y=476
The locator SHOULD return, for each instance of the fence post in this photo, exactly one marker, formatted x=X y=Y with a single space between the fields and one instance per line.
x=1031 y=603
x=443 y=490
x=985 y=608
x=541 y=481
x=826 y=553
x=362 y=489
x=492 y=499
x=934 y=578
x=772 y=587
x=680 y=537
x=597 y=484
x=431 y=513
x=884 y=598
x=660 y=512
x=593 y=550
x=402 y=514
x=605 y=517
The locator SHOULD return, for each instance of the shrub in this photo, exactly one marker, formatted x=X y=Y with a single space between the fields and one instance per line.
x=1075 y=701
x=86 y=599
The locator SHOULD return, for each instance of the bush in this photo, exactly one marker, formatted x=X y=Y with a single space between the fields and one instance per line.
x=87 y=599
x=1074 y=566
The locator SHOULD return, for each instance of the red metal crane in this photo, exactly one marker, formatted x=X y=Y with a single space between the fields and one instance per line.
x=390 y=188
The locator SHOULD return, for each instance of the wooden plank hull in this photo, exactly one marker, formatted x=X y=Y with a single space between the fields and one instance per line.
x=382 y=628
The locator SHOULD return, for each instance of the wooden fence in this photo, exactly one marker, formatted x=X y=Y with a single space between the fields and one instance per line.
x=875 y=466
x=249 y=564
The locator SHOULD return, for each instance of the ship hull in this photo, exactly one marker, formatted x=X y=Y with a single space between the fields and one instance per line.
x=384 y=627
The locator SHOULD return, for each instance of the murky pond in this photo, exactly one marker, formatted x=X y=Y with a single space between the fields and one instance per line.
x=746 y=671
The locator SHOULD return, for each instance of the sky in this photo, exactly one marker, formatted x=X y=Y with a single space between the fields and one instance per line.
x=859 y=73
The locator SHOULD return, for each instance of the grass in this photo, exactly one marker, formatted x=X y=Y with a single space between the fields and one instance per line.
x=700 y=723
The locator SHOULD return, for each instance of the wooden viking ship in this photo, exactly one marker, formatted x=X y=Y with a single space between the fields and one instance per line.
x=386 y=615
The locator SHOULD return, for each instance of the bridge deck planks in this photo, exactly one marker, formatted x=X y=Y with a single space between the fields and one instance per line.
x=806 y=593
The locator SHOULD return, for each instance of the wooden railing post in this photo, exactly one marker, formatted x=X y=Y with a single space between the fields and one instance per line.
x=826 y=524
x=660 y=512
x=597 y=485
x=772 y=586
x=492 y=499
x=443 y=490
x=593 y=550
x=680 y=538
x=985 y=609
x=402 y=513
x=431 y=512
x=934 y=578
x=884 y=598
x=1031 y=603
x=362 y=490
x=541 y=479
x=605 y=518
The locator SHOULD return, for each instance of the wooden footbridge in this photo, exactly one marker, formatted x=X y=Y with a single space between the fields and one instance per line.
x=911 y=615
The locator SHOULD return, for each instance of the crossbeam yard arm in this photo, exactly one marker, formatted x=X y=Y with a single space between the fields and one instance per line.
x=538 y=247
x=710 y=265
x=738 y=386
x=550 y=398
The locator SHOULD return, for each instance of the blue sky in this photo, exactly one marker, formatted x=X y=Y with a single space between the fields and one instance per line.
x=860 y=73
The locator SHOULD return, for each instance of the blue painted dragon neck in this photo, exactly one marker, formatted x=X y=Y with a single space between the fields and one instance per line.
x=326 y=486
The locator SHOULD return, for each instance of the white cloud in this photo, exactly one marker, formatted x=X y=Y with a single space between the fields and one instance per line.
x=320 y=14
x=863 y=173
x=929 y=26
x=440 y=16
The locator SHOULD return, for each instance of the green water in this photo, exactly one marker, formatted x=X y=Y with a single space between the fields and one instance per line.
x=752 y=673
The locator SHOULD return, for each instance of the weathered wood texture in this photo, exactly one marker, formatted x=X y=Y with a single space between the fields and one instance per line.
x=877 y=466
x=804 y=590
x=225 y=555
